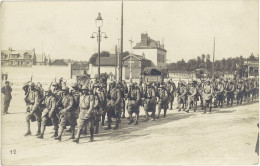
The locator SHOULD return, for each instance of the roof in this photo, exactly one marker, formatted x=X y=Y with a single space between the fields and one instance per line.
x=107 y=61
x=75 y=64
x=138 y=57
x=20 y=53
x=148 y=43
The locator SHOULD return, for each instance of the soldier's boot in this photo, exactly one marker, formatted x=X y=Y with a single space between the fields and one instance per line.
x=108 y=125
x=28 y=128
x=136 y=120
x=231 y=102
x=153 y=114
x=210 y=110
x=146 y=117
x=55 y=133
x=84 y=130
x=116 y=126
x=159 y=112
x=77 y=136
x=97 y=126
x=60 y=134
x=171 y=105
x=42 y=132
x=39 y=128
x=72 y=132
x=164 y=114
x=103 y=120
x=205 y=109
x=221 y=104
x=131 y=118
x=91 y=139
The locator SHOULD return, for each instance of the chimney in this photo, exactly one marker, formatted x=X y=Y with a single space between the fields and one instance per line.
x=10 y=48
x=143 y=55
x=144 y=39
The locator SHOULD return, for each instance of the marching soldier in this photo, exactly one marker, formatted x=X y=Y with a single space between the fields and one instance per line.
x=247 y=90
x=230 y=93
x=33 y=110
x=163 y=100
x=240 y=92
x=192 y=97
x=219 y=93
x=149 y=101
x=67 y=113
x=133 y=103
x=49 y=113
x=171 y=89
x=99 y=105
x=7 y=90
x=86 y=115
x=114 y=106
x=207 y=96
x=181 y=92
x=124 y=91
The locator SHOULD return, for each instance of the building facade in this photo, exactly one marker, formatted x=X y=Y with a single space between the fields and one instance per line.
x=11 y=57
x=152 y=49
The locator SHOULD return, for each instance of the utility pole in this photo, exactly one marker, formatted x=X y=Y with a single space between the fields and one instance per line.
x=116 y=63
x=131 y=42
x=213 y=64
x=120 y=62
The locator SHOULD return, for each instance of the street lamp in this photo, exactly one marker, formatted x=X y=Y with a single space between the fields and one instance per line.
x=99 y=34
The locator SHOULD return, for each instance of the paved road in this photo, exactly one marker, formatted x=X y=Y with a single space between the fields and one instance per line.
x=227 y=136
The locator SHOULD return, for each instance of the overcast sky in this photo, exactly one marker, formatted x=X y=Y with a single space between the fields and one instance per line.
x=63 y=29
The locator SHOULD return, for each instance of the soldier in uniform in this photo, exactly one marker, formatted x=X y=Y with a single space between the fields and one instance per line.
x=49 y=113
x=124 y=91
x=7 y=90
x=219 y=93
x=181 y=93
x=163 y=100
x=33 y=110
x=192 y=96
x=133 y=103
x=99 y=106
x=67 y=113
x=114 y=106
x=149 y=101
x=171 y=89
x=247 y=90
x=230 y=88
x=240 y=92
x=207 y=96
x=86 y=116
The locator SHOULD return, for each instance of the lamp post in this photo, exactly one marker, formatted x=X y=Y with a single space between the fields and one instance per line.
x=99 y=24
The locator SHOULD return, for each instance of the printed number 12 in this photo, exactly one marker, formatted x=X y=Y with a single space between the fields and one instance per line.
x=13 y=151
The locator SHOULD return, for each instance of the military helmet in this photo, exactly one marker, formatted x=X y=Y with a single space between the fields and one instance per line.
x=65 y=88
x=55 y=84
x=84 y=87
x=31 y=84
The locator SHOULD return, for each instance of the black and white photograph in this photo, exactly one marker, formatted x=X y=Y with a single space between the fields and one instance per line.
x=129 y=82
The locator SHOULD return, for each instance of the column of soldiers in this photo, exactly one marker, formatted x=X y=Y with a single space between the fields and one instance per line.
x=87 y=106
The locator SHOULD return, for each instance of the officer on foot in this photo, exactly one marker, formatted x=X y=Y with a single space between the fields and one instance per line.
x=192 y=96
x=7 y=90
x=207 y=96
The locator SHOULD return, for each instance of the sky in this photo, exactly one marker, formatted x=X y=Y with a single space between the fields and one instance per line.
x=63 y=28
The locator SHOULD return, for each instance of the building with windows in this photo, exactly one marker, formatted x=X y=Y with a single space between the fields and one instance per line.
x=152 y=49
x=12 y=57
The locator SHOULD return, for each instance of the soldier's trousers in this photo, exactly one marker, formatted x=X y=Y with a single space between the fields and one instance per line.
x=230 y=97
x=6 y=105
x=164 y=106
x=133 y=108
x=149 y=106
x=114 y=112
x=70 y=117
x=192 y=100
x=54 y=119
x=171 y=100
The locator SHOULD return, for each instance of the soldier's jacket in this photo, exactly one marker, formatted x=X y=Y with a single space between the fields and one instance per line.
x=247 y=87
x=207 y=92
x=182 y=92
x=50 y=104
x=150 y=93
x=192 y=92
x=230 y=87
x=115 y=95
x=220 y=88
x=163 y=95
x=67 y=103
x=141 y=89
x=86 y=105
x=99 y=99
x=6 y=90
x=134 y=95
x=33 y=99
x=171 y=88
x=76 y=97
